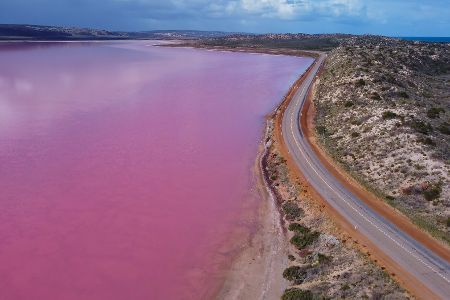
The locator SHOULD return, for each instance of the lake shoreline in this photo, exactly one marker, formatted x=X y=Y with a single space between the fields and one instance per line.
x=256 y=272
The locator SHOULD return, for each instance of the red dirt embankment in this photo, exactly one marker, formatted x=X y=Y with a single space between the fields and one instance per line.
x=360 y=241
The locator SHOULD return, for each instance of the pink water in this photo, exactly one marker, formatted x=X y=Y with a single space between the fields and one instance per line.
x=125 y=168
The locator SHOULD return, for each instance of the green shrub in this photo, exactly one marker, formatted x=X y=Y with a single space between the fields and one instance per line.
x=321 y=130
x=433 y=192
x=302 y=240
x=448 y=221
x=355 y=134
x=403 y=94
x=421 y=127
x=375 y=96
x=348 y=104
x=295 y=273
x=291 y=257
x=298 y=228
x=388 y=115
x=426 y=141
x=434 y=112
x=298 y=294
x=444 y=128
x=389 y=198
x=360 y=82
x=291 y=210
x=323 y=258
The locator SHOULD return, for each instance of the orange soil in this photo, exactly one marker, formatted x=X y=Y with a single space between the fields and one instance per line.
x=404 y=278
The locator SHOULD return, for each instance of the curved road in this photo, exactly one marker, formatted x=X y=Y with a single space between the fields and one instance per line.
x=409 y=254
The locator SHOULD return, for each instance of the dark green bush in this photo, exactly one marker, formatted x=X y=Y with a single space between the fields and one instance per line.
x=360 y=82
x=403 y=94
x=387 y=115
x=426 y=141
x=444 y=128
x=448 y=221
x=295 y=273
x=291 y=210
x=298 y=294
x=321 y=130
x=348 y=104
x=375 y=96
x=302 y=240
x=355 y=134
x=298 y=228
x=323 y=258
x=421 y=127
x=390 y=198
x=434 y=112
x=433 y=192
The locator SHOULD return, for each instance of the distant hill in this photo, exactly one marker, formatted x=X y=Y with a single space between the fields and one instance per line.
x=38 y=32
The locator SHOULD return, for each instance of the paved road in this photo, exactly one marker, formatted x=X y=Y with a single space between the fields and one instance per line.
x=423 y=264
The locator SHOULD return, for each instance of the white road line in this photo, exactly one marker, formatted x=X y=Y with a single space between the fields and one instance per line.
x=351 y=206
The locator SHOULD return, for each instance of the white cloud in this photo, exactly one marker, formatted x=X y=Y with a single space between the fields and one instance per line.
x=270 y=8
x=274 y=9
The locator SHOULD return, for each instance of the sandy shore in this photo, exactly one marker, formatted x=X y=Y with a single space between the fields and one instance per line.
x=256 y=273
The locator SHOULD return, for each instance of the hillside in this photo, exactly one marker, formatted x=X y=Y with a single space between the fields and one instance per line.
x=37 y=32
x=383 y=112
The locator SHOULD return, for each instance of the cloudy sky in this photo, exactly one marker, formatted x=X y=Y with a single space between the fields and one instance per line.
x=387 y=17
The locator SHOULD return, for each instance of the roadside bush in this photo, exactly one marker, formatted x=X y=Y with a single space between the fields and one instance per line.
x=421 y=127
x=298 y=228
x=321 y=130
x=291 y=210
x=295 y=273
x=302 y=240
x=388 y=115
x=433 y=192
x=434 y=112
x=298 y=294
x=390 y=198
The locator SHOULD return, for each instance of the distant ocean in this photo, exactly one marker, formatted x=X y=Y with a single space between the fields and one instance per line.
x=426 y=39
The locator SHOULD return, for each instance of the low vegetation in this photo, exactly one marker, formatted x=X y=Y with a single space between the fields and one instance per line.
x=291 y=210
x=301 y=240
x=383 y=112
x=322 y=263
x=298 y=294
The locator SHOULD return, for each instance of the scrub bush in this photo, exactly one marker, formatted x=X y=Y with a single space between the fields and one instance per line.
x=298 y=294
x=291 y=210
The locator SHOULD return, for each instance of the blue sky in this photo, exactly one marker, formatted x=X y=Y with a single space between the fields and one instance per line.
x=387 y=17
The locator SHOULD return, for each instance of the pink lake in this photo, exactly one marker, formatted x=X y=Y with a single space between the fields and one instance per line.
x=126 y=169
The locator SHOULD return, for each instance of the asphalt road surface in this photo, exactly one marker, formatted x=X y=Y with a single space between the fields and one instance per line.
x=427 y=267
